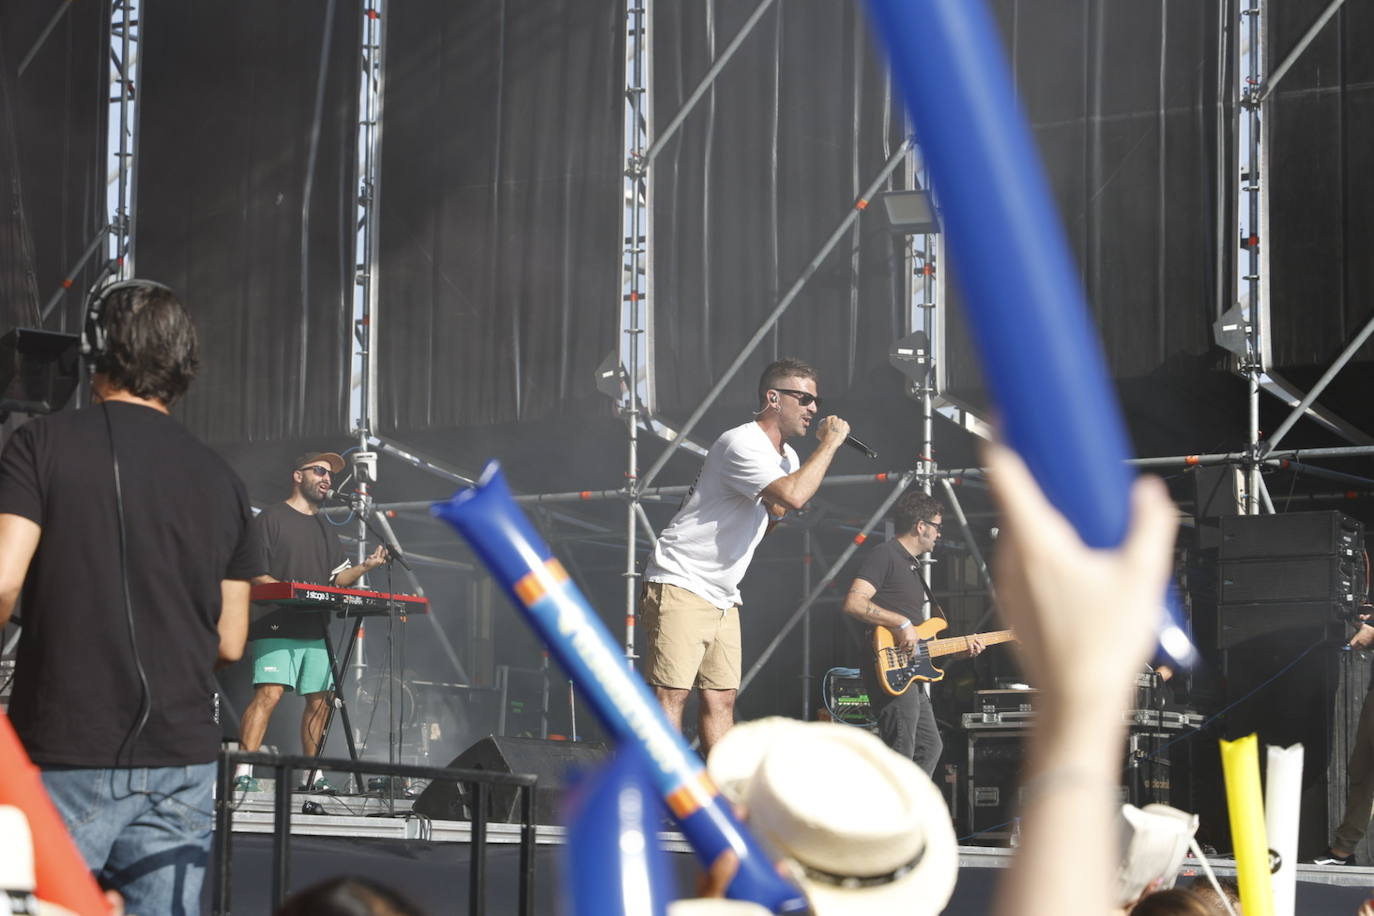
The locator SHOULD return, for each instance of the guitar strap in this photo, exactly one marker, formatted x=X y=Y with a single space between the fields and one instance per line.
x=916 y=571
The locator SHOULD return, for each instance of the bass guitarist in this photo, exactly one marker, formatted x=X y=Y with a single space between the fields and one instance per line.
x=890 y=578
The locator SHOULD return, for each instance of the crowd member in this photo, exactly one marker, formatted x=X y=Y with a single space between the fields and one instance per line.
x=348 y=897
x=887 y=591
x=1218 y=898
x=1086 y=621
x=1174 y=902
x=690 y=604
x=298 y=545
x=132 y=545
x=877 y=839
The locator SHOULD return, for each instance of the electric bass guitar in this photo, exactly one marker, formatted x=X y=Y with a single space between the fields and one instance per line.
x=899 y=666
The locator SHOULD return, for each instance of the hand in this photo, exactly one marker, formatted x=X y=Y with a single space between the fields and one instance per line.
x=715 y=880
x=1363 y=638
x=377 y=557
x=774 y=510
x=975 y=647
x=832 y=429
x=905 y=637
x=1085 y=618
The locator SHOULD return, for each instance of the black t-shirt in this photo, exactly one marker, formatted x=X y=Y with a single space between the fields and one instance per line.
x=896 y=576
x=76 y=688
x=295 y=548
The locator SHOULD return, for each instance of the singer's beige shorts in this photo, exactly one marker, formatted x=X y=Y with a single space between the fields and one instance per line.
x=689 y=642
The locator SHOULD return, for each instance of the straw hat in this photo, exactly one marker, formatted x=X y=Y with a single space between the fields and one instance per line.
x=863 y=829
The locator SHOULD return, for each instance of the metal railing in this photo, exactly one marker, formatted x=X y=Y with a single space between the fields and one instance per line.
x=476 y=784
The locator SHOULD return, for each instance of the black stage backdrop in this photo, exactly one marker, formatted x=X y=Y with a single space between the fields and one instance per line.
x=765 y=168
x=1121 y=97
x=1321 y=199
x=228 y=102
x=52 y=188
x=500 y=210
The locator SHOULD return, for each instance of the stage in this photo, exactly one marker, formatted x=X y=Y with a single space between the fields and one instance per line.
x=429 y=860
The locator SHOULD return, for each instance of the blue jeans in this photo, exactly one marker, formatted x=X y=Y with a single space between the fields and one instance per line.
x=144 y=831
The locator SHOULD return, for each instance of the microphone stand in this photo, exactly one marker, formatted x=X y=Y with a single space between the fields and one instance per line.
x=362 y=503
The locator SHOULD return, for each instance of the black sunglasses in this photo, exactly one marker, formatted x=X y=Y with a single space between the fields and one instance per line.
x=318 y=469
x=938 y=526
x=804 y=398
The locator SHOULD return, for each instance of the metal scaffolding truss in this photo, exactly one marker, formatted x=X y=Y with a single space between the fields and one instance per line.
x=122 y=63
x=1251 y=95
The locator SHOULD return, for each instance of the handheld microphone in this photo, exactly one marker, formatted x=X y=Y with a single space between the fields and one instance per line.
x=856 y=444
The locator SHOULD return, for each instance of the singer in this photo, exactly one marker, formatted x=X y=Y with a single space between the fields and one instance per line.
x=690 y=604
x=297 y=545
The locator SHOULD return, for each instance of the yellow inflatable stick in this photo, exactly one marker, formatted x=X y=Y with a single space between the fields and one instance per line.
x=1244 y=801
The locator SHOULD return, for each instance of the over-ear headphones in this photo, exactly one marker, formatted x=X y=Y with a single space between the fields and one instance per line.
x=93 y=332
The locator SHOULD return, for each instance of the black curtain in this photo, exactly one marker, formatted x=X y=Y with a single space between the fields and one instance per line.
x=1122 y=101
x=227 y=108
x=52 y=146
x=500 y=213
x=1321 y=199
x=764 y=169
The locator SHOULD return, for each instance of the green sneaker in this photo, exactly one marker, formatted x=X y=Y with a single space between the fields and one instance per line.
x=247 y=784
x=321 y=786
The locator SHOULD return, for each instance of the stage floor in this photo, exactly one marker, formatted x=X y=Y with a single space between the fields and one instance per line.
x=428 y=860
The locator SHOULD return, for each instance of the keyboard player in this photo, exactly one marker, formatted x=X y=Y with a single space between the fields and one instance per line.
x=299 y=545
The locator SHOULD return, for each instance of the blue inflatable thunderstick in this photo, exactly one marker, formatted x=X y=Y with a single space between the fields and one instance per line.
x=517 y=557
x=1036 y=342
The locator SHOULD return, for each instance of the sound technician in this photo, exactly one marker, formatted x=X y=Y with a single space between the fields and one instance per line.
x=132 y=545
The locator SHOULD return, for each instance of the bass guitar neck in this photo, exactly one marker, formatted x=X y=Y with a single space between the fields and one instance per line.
x=901 y=666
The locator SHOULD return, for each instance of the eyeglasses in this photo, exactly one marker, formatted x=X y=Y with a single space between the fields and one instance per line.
x=938 y=526
x=804 y=398
x=319 y=471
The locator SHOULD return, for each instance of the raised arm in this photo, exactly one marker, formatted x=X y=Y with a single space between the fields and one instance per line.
x=1086 y=621
x=796 y=489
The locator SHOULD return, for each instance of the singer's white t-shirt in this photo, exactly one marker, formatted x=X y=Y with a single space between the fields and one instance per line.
x=707 y=547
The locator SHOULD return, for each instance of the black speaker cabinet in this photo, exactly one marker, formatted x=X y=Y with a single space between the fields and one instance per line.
x=1296 y=623
x=548 y=760
x=1317 y=703
x=1290 y=534
x=995 y=758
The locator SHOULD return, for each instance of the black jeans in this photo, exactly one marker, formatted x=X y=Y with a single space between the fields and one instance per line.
x=906 y=724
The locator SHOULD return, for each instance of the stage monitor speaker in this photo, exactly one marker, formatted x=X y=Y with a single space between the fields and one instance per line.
x=547 y=760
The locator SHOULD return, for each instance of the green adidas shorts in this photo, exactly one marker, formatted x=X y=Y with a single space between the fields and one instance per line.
x=301 y=664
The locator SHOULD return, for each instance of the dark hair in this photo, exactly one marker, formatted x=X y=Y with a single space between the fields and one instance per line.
x=783 y=369
x=915 y=506
x=348 y=897
x=150 y=343
x=1173 y=902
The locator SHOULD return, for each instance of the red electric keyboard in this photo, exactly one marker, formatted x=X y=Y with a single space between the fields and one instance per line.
x=345 y=602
